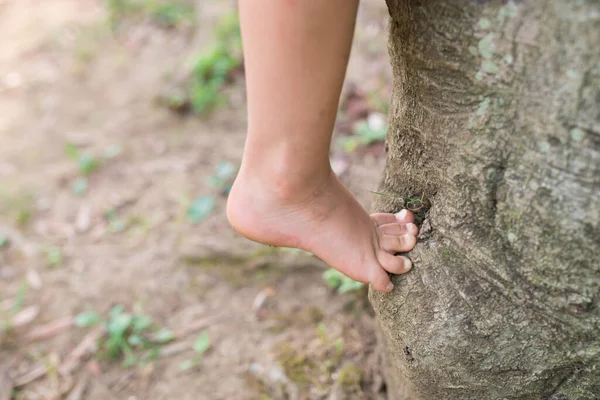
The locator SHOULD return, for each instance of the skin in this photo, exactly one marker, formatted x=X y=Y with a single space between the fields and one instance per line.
x=286 y=193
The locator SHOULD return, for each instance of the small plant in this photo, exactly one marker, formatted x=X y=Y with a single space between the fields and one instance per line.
x=411 y=203
x=336 y=280
x=19 y=205
x=223 y=177
x=365 y=133
x=87 y=163
x=131 y=337
x=168 y=13
x=200 y=209
x=201 y=345
x=115 y=223
x=212 y=68
x=6 y=318
x=3 y=240
x=53 y=255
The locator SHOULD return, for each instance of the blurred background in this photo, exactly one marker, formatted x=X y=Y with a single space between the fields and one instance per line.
x=122 y=124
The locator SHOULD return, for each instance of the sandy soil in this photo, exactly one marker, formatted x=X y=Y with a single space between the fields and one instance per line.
x=274 y=325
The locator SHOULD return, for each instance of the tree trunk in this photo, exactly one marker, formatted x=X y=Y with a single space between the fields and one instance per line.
x=495 y=132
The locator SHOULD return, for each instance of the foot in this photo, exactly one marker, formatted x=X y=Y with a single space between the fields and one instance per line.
x=325 y=219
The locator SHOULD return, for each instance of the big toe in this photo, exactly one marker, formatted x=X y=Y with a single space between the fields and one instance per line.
x=380 y=280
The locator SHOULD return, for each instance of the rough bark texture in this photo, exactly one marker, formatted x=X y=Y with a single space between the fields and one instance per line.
x=495 y=117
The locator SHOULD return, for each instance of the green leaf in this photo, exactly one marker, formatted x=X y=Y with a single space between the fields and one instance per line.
x=79 y=186
x=135 y=340
x=349 y=285
x=333 y=278
x=117 y=225
x=163 y=336
x=200 y=209
x=202 y=343
x=141 y=323
x=3 y=240
x=71 y=151
x=367 y=134
x=113 y=346
x=54 y=256
x=341 y=282
x=339 y=346
x=187 y=364
x=118 y=325
x=86 y=319
x=87 y=164
x=129 y=361
x=225 y=170
x=116 y=311
x=20 y=298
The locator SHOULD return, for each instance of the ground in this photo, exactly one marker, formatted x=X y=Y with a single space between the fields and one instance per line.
x=124 y=235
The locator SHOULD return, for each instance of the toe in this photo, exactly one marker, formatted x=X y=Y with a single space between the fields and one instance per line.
x=399 y=229
x=394 y=264
x=398 y=244
x=403 y=216
x=384 y=218
x=380 y=280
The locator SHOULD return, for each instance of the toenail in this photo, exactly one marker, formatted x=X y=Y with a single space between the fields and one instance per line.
x=407 y=264
x=401 y=215
x=389 y=286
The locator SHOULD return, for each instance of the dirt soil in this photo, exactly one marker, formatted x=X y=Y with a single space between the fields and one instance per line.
x=274 y=325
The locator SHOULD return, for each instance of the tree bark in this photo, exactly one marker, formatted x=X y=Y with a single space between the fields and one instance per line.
x=495 y=126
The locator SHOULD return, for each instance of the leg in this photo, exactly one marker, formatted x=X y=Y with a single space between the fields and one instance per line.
x=286 y=194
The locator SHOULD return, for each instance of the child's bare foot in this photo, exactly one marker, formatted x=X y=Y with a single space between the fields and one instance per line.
x=326 y=220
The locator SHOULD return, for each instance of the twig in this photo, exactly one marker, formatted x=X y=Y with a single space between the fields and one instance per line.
x=36 y=373
x=172 y=349
x=86 y=345
x=6 y=385
x=25 y=316
x=79 y=390
x=196 y=326
x=51 y=329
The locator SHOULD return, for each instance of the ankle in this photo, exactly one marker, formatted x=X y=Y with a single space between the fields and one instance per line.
x=283 y=184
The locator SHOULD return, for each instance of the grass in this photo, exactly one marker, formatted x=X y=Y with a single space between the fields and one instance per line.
x=315 y=367
x=87 y=163
x=130 y=337
x=411 y=203
x=19 y=206
x=167 y=13
x=212 y=68
x=364 y=134
x=201 y=345
x=18 y=304
x=340 y=282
